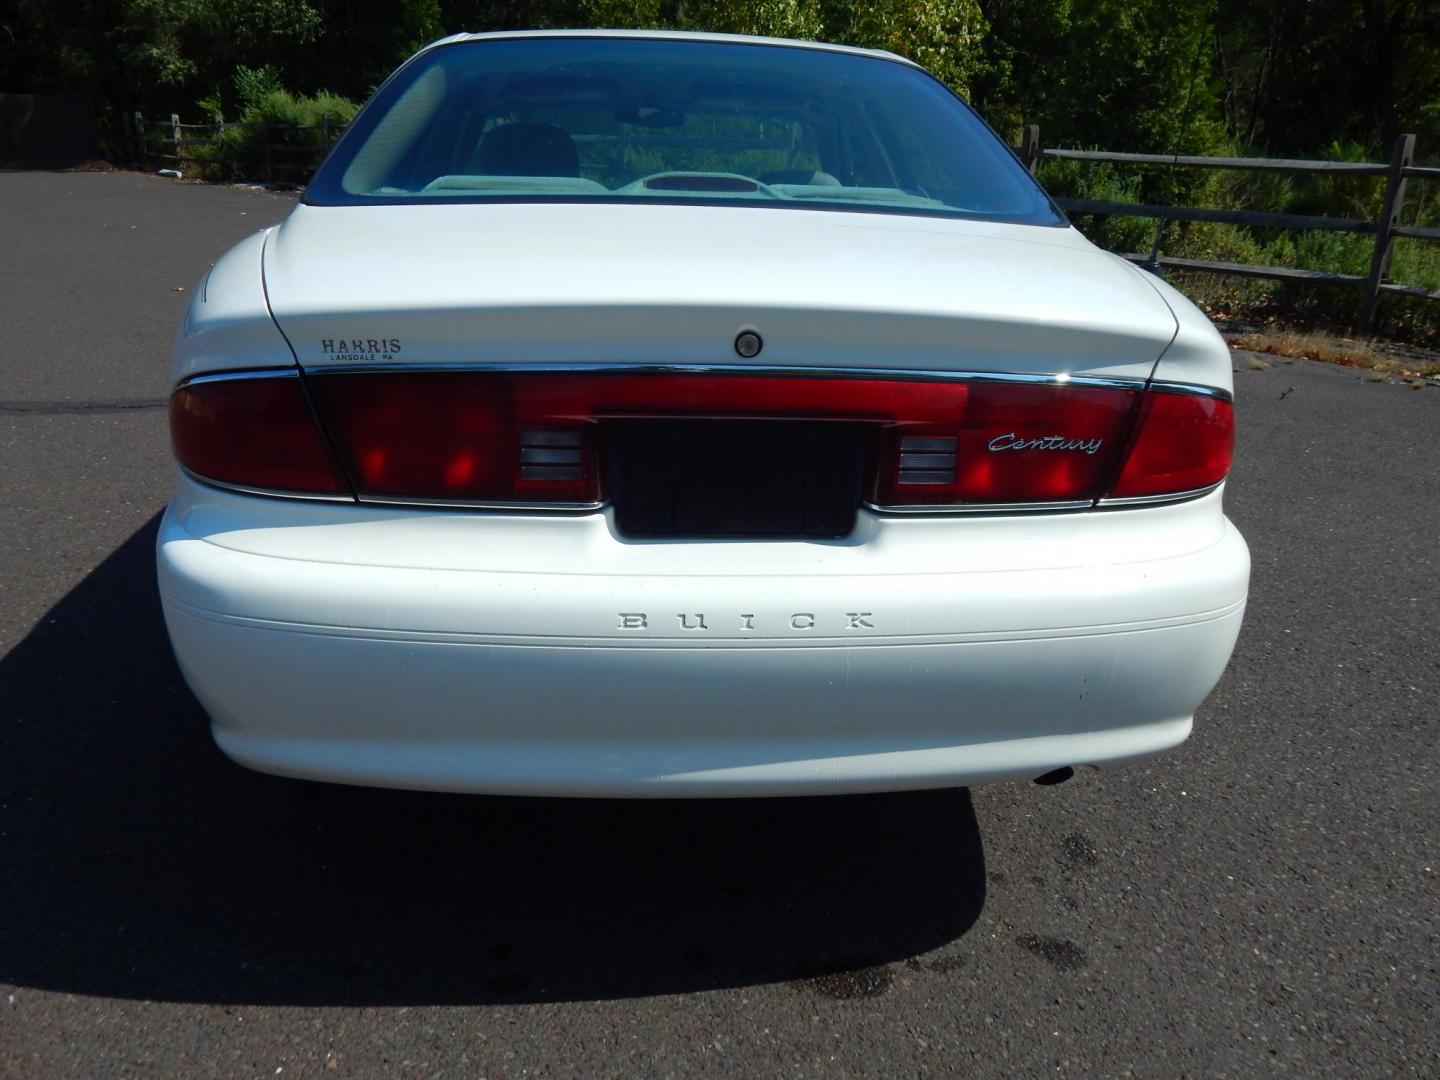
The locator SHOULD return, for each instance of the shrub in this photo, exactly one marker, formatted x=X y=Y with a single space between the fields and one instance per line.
x=1107 y=183
x=284 y=136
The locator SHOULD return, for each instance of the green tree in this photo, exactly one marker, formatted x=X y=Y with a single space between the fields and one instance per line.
x=624 y=14
x=197 y=44
x=1283 y=76
x=1109 y=73
x=49 y=47
x=768 y=18
x=943 y=36
x=479 y=15
x=1298 y=74
x=362 y=41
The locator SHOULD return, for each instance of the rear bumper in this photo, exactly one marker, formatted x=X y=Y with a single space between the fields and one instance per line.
x=539 y=678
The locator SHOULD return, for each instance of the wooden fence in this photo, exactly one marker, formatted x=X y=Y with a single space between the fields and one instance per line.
x=1386 y=228
x=263 y=151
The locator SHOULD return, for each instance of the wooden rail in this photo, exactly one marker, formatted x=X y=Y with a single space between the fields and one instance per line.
x=213 y=147
x=1386 y=228
x=1229 y=217
x=1362 y=168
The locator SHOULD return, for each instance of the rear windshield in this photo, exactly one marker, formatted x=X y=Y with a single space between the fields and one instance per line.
x=609 y=119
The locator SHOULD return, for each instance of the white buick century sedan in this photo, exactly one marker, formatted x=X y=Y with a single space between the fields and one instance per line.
x=653 y=414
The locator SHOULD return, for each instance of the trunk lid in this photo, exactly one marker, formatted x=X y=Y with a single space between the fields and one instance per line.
x=665 y=284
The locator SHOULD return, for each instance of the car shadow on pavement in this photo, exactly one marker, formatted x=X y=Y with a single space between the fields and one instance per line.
x=137 y=862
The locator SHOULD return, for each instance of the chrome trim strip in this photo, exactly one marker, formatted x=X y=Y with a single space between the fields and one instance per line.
x=767 y=370
x=770 y=370
x=382 y=500
x=248 y=373
x=1157 y=500
x=1193 y=389
x=461 y=504
x=951 y=509
x=241 y=489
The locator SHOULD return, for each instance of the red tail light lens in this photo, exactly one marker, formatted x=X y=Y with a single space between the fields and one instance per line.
x=1011 y=443
x=492 y=437
x=533 y=437
x=1184 y=442
x=428 y=436
x=253 y=432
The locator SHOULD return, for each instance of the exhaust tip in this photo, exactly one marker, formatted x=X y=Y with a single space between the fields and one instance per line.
x=1055 y=776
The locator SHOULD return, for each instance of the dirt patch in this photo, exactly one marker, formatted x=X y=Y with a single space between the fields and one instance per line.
x=1387 y=359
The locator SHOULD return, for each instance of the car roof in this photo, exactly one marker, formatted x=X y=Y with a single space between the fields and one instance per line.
x=672 y=35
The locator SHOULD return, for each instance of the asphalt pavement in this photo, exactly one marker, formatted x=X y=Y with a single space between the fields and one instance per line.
x=1263 y=902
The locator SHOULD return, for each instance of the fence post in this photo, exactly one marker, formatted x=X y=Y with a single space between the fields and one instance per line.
x=127 y=138
x=1030 y=146
x=175 y=137
x=1401 y=157
x=139 y=124
x=265 y=137
x=220 y=147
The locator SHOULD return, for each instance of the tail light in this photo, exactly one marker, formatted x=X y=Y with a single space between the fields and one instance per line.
x=1011 y=443
x=253 y=432
x=498 y=438
x=487 y=437
x=1183 y=442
